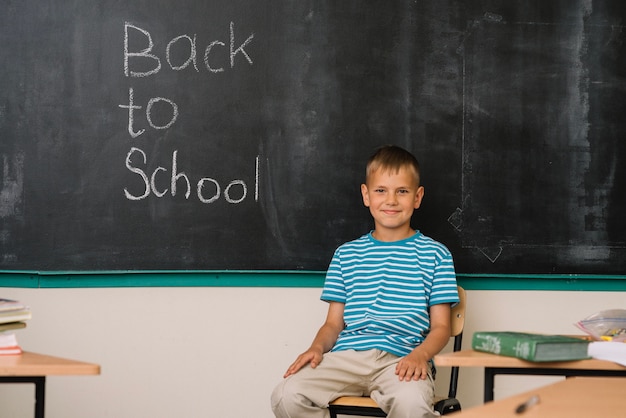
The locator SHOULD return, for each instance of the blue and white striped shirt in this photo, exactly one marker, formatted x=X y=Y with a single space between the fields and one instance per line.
x=388 y=289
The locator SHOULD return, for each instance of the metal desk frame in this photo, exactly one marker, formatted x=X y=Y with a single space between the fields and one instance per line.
x=40 y=390
x=491 y=372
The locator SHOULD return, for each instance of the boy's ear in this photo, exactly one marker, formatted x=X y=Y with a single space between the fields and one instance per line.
x=419 y=195
x=366 y=198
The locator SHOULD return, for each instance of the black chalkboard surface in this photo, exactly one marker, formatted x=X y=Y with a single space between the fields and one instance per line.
x=227 y=134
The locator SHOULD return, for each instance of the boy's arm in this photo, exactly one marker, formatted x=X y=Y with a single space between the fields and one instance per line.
x=324 y=339
x=416 y=364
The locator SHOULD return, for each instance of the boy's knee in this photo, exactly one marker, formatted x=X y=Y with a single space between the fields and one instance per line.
x=412 y=401
x=288 y=401
x=415 y=407
x=280 y=400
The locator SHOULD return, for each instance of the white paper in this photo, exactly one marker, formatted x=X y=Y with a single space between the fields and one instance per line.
x=607 y=350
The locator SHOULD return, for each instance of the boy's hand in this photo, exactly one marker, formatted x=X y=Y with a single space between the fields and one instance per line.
x=414 y=366
x=310 y=356
x=323 y=341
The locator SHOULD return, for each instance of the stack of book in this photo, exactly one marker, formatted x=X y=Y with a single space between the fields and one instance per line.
x=12 y=317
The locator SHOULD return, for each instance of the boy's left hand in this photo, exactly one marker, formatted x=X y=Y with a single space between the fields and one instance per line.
x=413 y=367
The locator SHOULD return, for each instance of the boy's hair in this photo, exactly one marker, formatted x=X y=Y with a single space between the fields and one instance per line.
x=392 y=158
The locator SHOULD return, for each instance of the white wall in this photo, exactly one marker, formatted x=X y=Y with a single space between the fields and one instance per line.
x=218 y=352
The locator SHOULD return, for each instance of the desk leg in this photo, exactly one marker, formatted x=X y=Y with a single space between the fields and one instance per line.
x=490 y=376
x=40 y=396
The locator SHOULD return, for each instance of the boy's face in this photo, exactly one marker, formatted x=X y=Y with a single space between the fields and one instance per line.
x=392 y=198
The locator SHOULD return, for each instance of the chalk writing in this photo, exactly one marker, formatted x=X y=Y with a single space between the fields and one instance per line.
x=162 y=181
x=131 y=115
x=235 y=192
x=150 y=59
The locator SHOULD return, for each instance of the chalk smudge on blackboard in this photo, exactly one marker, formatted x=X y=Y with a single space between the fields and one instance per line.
x=559 y=176
x=12 y=185
x=590 y=192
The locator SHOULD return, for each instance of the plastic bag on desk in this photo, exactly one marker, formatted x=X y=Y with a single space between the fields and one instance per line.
x=609 y=325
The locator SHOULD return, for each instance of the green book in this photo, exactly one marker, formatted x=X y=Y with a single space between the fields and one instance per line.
x=532 y=347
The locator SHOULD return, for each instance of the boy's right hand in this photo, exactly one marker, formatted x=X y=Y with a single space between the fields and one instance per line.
x=323 y=341
x=312 y=357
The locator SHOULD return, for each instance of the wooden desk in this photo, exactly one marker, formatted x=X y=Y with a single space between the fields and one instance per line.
x=578 y=397
x=495 y=364
x=33 y=368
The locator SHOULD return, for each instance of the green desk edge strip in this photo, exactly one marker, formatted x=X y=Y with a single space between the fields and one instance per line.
x=263 y=278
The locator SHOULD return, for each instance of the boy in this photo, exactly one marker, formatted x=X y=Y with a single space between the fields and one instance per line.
x=389 y=294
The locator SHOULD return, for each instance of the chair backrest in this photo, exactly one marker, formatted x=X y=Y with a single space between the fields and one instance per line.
x=457 y=318
x=457 y=323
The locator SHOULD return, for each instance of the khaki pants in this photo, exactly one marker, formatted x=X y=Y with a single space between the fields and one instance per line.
x=307 y=393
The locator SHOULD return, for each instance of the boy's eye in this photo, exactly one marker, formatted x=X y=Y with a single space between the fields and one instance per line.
x=403 y=191
x=379 y=190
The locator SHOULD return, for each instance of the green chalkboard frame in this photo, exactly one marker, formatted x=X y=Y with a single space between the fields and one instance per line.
x=295 y=279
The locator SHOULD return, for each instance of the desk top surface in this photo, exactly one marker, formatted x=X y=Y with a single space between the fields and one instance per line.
x=471 y=358
x=33 y=364
x=579 y=397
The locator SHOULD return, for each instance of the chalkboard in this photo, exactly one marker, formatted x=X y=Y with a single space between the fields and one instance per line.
x=231 y=135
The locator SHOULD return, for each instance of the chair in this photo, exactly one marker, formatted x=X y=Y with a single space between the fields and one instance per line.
x=366 y=406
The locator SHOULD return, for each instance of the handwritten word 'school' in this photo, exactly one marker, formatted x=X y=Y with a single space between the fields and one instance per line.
x=149 y=57
x=208 y=189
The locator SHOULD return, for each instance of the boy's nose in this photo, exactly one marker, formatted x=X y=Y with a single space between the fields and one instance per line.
x=392 y=199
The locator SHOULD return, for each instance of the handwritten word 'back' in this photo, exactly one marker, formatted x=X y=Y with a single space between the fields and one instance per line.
x=153 y=62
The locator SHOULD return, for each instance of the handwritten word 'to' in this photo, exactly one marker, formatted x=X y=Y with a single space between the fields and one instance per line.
x=131 y=113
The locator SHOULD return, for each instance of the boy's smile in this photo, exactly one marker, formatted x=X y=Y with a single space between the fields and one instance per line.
x=392 y=197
